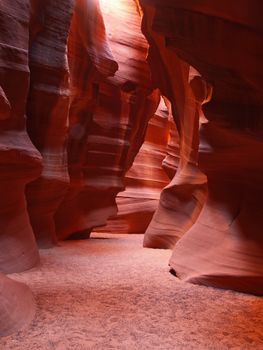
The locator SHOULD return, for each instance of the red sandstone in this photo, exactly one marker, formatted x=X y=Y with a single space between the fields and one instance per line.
x=80 y=84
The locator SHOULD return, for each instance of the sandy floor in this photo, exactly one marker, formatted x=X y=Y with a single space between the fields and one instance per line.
x=110 y=293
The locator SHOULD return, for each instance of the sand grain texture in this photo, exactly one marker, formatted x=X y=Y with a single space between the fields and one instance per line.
x=110 y=293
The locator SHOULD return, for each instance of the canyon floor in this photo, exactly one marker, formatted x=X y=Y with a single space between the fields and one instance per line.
x=110 y=293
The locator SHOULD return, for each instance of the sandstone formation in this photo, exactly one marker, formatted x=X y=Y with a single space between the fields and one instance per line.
x=181 y=200
x=171 y=161
x=20 y=164
x=17 y=306
x=47 y=110
x=108 y=114
x=146 y=178
x=20 y=161
x=90 y=63
x=223 y=247
x=80 y=84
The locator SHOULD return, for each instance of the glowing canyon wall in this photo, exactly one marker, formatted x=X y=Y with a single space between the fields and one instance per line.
x=108 y=116
x=213 y=205
x=75 y=104
x=147 y=176
x=80 y=86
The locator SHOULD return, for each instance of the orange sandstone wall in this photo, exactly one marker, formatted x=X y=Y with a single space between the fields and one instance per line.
x=112 y=100
x=79 y=83
x=145 y=179
x=74 y=107
x=220 y=241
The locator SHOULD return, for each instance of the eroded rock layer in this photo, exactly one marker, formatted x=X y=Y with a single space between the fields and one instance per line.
x=108 y=114
x=224 y=246
x=20 y=162
x=76 y=96
x=47 y=110
x=145 y=179
x=87 y=202
x=182 y=199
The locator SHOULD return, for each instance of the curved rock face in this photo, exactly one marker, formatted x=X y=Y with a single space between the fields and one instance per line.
x=108 y=114
x=20 y=161
x=171 y=161
x=224 y=246
x=90 y=62
x=181 y=200
x=17 y=306
x=76 y=96
x=145 y=179
x=47 y=109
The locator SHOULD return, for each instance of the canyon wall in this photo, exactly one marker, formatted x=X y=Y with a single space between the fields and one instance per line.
x=20 y=164
x=147 y=176
x=76 y=98
x=74 y=108
x=182 y=199
x=20 y=161
x=108 y=115
x=47 y=112
x=223 y=245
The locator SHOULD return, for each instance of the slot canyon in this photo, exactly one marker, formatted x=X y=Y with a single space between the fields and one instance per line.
x=131 y=155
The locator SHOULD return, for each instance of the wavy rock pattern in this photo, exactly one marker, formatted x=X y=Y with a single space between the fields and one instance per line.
x=108 y=114
x=20 y=162
x=145 y=179
x=47 y=109
x=91 y=62
x=224 y=246
x=181 y=201
x=76 y=97
x=171 y=161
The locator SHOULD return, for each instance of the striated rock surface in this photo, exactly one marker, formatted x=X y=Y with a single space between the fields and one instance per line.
x=77 y=100
x=17 y=306
x=171 y=161
x=90 y=62
x=145 y=179
x=224 y=246
x=181 y=200
x=47 y=109
x=20 y=162
x=108 y=114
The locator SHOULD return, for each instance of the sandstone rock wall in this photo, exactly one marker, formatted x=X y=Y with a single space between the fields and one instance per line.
x=223 y=246
x=76 y=96
x=20 y=161
x=87 y=202
x=69 y=128
x=47 y=111
x=146 y=178
x=181 y=200
x=108 y=114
